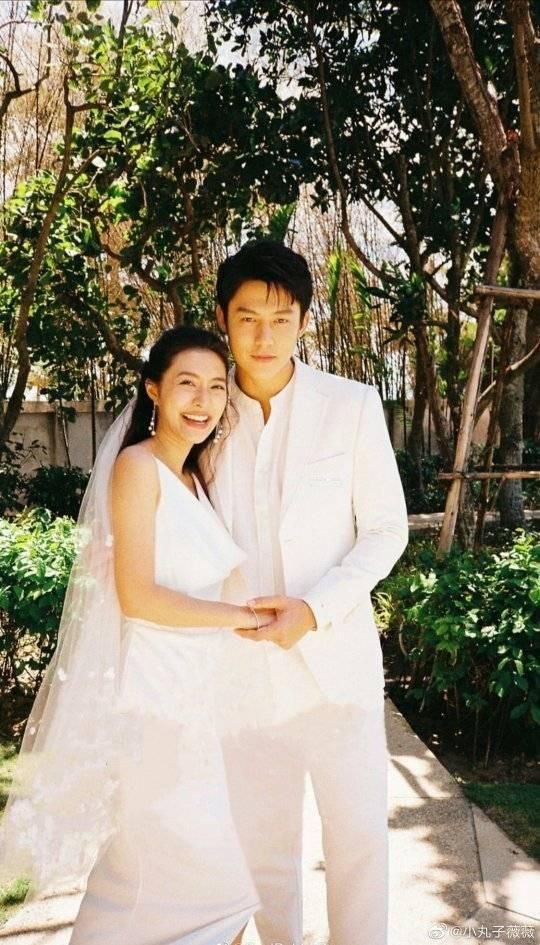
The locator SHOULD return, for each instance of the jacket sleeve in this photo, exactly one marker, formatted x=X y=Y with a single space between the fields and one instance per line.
x=381 y=523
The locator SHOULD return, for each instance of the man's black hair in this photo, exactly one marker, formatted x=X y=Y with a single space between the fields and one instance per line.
x=266 y=261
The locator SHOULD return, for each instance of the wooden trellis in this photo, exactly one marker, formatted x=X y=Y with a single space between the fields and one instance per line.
x=481 y=474
x=486 y=294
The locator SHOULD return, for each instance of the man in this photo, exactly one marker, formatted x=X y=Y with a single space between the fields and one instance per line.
x=308 y=485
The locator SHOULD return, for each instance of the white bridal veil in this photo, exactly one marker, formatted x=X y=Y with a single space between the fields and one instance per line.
x=60 y=809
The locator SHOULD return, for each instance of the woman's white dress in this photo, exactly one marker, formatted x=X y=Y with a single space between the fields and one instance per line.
x=173 y=872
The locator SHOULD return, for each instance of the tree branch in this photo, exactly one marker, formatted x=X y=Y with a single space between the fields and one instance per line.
x=505 y=294
x=20 y=339
x=397 y=237
x=15 y=93
x=332 y=155
x=514 y=370
x=483 y=106
x=516 y=12
x=18 y=92
x=113 y=344
x=493 y=262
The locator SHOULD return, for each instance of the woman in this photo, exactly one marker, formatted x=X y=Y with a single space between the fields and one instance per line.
x=124 y=724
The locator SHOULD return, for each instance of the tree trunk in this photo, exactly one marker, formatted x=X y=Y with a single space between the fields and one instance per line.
x=9 y=415
x=415 y=443
x=455 y=502
x=502 y=161
x=452 y=348
x=531 y=411
x=526 y=239
x=510 y=502
x=489 y=450
x=426 y=362
x=526 y=230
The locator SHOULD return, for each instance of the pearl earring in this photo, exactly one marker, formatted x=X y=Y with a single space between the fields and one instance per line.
x=152 y=424
x=218 y=433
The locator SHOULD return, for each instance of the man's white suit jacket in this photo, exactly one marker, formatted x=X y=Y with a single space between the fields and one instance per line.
x=343 y=525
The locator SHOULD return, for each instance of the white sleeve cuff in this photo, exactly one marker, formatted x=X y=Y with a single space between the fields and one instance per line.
x=320 y=611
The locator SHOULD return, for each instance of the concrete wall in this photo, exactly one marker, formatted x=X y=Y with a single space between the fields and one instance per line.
x=39 y=421
x=394 y=420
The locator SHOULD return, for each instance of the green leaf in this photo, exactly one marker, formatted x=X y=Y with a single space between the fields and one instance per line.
x=535 y=712
x=518 y=711
x=113 y=135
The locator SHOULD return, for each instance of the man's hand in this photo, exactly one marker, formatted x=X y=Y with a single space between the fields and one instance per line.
x=263 y=618
x=294 y=618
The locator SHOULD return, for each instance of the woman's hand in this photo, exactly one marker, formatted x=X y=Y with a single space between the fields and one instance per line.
x=266 y=617
x=294 y=618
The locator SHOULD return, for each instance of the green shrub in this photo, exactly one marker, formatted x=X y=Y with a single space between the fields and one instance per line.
x=11 y=896
x=11 y=486
x=36 y=554
x=433 y=498
x=57 y=488
x=466 y=629
x=13 y=455
x=434 y=495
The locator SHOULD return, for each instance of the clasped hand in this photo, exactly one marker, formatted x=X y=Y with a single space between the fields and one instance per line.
x=282 y=620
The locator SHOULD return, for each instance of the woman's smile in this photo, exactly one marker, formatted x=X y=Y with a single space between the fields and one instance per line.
x=196 y=421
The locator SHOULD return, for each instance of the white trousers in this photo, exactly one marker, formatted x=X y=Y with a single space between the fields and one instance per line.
x=343 y=749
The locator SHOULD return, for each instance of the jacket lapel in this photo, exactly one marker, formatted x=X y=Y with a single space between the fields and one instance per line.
x=307 y=415
x=308 y=410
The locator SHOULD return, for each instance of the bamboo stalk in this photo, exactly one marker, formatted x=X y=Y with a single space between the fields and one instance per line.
x=510 y=474
x=472 y=388
x=500 y=292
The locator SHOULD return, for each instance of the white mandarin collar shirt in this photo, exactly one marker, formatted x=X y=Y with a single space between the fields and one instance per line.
x=259 y=452
x=259 y=465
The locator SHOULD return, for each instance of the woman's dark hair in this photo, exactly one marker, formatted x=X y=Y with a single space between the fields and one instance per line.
x=270 y=262
x=160 y=358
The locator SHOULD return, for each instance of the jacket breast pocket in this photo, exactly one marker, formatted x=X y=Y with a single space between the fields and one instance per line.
x=326 y=470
